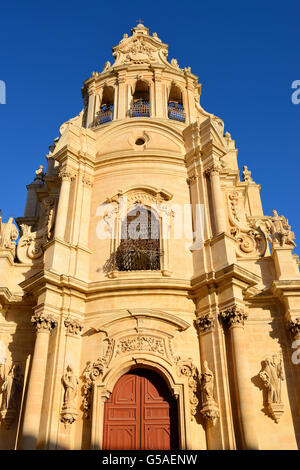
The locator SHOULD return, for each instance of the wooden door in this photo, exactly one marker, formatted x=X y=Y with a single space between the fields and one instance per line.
x=140 y=414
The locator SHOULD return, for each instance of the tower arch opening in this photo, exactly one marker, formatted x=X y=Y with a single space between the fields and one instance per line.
x=140 y=105
x=175 y=104
x=106 y=111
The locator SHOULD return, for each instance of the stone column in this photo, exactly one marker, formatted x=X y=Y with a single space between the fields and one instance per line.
x=159 y=102
x=63 y=203
x=91 y=107
x=234 y=318
x=85 y=214
x=44 y=324
x=122 y=98
x=217 y=198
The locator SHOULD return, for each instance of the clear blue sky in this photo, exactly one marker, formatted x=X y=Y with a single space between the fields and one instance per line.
x=246 y=55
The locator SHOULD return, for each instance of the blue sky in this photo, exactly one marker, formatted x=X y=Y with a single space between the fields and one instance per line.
x=246 y=55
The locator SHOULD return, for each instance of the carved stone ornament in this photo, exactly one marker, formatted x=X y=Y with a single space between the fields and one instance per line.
x=213 y=170
x=141 y=343
x=69 y=409
x=187 y=368
x=206 y=322
x=11 y=389
x=73 y=326
x=92 y=372
x=271 y=375
x=279 y=230
x=246 y=174
x=209 y=408
x=233 y=317
x=44 y=322
x=294 y=327
x=8 y=235
x=250 y=239
x=66 y=174
x=31 y=243
x=141 y=48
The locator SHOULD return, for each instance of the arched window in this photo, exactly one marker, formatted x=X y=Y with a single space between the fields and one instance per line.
x=139 y=247
x=175 y=104
x=140 y=106
x=105 y=114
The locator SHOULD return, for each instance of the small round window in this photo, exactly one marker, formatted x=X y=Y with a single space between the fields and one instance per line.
x=140 y=141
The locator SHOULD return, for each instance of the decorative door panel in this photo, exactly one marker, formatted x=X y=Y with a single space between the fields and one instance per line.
x=139 y=414
x=157 y=437
x=122 y=415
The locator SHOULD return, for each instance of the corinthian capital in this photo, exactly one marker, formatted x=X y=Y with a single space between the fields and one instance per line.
x=213 y=170
x=86 y=181
x=44 y=322
x=66 y=174
x=294 y=327
x=73 y=326
x=233 y=316
x=206 y=322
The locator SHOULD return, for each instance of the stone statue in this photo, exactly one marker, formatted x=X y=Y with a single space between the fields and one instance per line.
x=70 y=383
x=11 y=389
x=280 y=230
x=8 y=235
x=246 y=174
x=271 y=376
x=107 y=66
x=209 y=409
x=207 y=383
x=69 y=410
x=40 y=175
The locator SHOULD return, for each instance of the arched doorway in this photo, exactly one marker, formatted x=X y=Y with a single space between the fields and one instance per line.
x=140 y=414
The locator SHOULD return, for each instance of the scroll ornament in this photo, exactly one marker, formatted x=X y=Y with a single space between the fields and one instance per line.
x=272 y=376
x=209 y=408
x=187 y=368
x=31 y=243
x=250 y=240
x=70 y=384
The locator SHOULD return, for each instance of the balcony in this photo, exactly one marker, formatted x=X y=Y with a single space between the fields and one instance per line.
x=176 y=111
x=138 y=255
x=104 y=115
x=140 y=108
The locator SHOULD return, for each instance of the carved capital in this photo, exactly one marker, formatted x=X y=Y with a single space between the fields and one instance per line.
x=65 y=174
x=233 y=317
x=213 y=170
x=44 y=322
x=206 y=322
x=87 y=181
x=191 y=180
x=73 y=327
x=294 y=327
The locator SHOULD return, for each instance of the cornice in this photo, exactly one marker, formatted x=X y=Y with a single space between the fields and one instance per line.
x=92 y=290
x=215 y=279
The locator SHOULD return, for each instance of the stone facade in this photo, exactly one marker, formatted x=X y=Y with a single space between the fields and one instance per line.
x=217 y=315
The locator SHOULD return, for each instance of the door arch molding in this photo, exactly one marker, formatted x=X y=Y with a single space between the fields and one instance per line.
x=104 y=386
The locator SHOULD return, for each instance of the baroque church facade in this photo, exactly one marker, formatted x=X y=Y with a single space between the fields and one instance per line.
x=147 y=302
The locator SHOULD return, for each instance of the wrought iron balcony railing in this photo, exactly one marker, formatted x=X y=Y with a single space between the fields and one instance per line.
x=140 y=108
x=137 y=255
x=104 y=115
x=176 y=112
